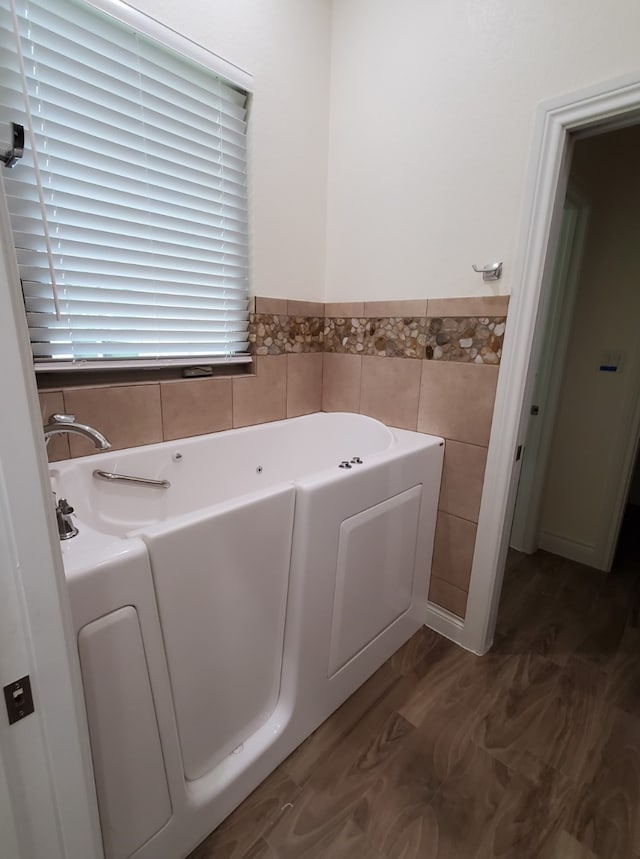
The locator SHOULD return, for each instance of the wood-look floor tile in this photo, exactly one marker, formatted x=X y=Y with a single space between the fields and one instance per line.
x=605 y=818
x=514 y=559
x=468 y=802
x=442 y=741
x=565 y=846
x=634 y=607
x=440 y=678
x=624 y=673
x=530 y=752
x=360 y=759
x=555 y=633
x=394 y=820
x=605 y=628
x=512 y=724
x=571 y=728
x=237 y=835
x=319 y=746
x=621 y=585
x=349 y=783
x=529 y=819
x=530 y=583
x=260 y=850
x=300 y=834
x=419 y=648
x=411 y=834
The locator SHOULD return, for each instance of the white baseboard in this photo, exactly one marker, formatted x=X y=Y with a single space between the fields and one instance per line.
x=574 y=550
x=443 y=622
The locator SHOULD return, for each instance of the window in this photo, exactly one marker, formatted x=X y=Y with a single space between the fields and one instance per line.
x=129 y=207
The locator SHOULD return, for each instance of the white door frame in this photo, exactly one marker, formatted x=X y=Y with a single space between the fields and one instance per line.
x=614 y=101
x=46 y=781
x=548 y=379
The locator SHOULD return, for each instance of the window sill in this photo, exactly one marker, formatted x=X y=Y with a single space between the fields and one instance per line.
x=113 y=378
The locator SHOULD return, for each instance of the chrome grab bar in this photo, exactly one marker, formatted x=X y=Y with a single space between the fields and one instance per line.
x=127 y=478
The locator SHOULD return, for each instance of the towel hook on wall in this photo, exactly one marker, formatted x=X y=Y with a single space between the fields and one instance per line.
x=492 y=271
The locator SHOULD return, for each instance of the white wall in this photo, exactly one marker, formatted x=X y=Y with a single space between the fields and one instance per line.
x=432 y=108
x=432 y=111
x=285 y=44
x=590 y=430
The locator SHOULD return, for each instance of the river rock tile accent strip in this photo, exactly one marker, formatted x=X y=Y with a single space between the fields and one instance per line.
x=470 y=339
x=463 y=339
x=387 y=336
x=273 y=334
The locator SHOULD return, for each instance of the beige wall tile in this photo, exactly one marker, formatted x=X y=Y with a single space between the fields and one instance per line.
x=344 y=309
x=395 y=308
x=277 y=306
x=448 y=596
x=488 y=305
x=305 y=308
x=456 y=400
x=195 y=406
x=304 y=384
x=453 y=550
x=462 y=479
x=341 y=382
x=263 y=397
x=52 y=403
x=128 y=415
x=390 y=390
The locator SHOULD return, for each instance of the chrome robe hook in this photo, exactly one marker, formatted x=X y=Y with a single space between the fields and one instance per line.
x=492 y=271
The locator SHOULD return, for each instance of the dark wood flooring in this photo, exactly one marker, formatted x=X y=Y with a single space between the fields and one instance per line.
x=530 y=752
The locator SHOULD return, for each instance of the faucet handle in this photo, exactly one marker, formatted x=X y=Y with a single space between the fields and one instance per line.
x=62 y=419
x=66 y=527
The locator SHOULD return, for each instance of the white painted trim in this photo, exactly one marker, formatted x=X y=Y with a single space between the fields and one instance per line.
x=7 y=820
x=555 y=120
x=442 y=621
x=148 y=26
x=583 y=553
x=45 y=757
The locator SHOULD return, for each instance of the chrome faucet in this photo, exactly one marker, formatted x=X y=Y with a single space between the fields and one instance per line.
x=60 y=424
x=66 y=526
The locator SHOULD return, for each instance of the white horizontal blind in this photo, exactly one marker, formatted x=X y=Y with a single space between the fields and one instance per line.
x=134 y=248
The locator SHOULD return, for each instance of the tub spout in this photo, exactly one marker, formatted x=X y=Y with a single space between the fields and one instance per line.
x=60 y=424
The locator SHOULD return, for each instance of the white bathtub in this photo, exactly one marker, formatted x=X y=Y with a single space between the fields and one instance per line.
x=222 y=619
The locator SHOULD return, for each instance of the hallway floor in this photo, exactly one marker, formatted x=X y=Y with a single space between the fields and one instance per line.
x=531 y=752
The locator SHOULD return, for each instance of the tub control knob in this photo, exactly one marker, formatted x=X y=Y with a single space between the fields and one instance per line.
x=345 y=464
x=357 y=460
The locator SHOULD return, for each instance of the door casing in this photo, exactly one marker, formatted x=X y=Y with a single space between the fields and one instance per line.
x=611 y=104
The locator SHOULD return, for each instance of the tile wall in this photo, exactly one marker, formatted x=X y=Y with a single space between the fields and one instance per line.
x=427 y=366
x=442 y=380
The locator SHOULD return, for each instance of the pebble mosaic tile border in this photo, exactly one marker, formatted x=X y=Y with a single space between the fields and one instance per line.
x=277 y=334
x=468 y=339
x=465 y=339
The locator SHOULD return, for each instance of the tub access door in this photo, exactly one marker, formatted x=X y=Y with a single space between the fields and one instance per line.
x=374 y=573
x=221 y=582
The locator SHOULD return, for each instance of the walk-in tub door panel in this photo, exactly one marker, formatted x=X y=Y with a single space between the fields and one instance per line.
x=221 y=584
x=374 y=574
x=130 y=777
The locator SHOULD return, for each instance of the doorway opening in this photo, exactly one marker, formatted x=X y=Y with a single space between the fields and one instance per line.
x=627 y=557
x=584 y=423
x=610 y=105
